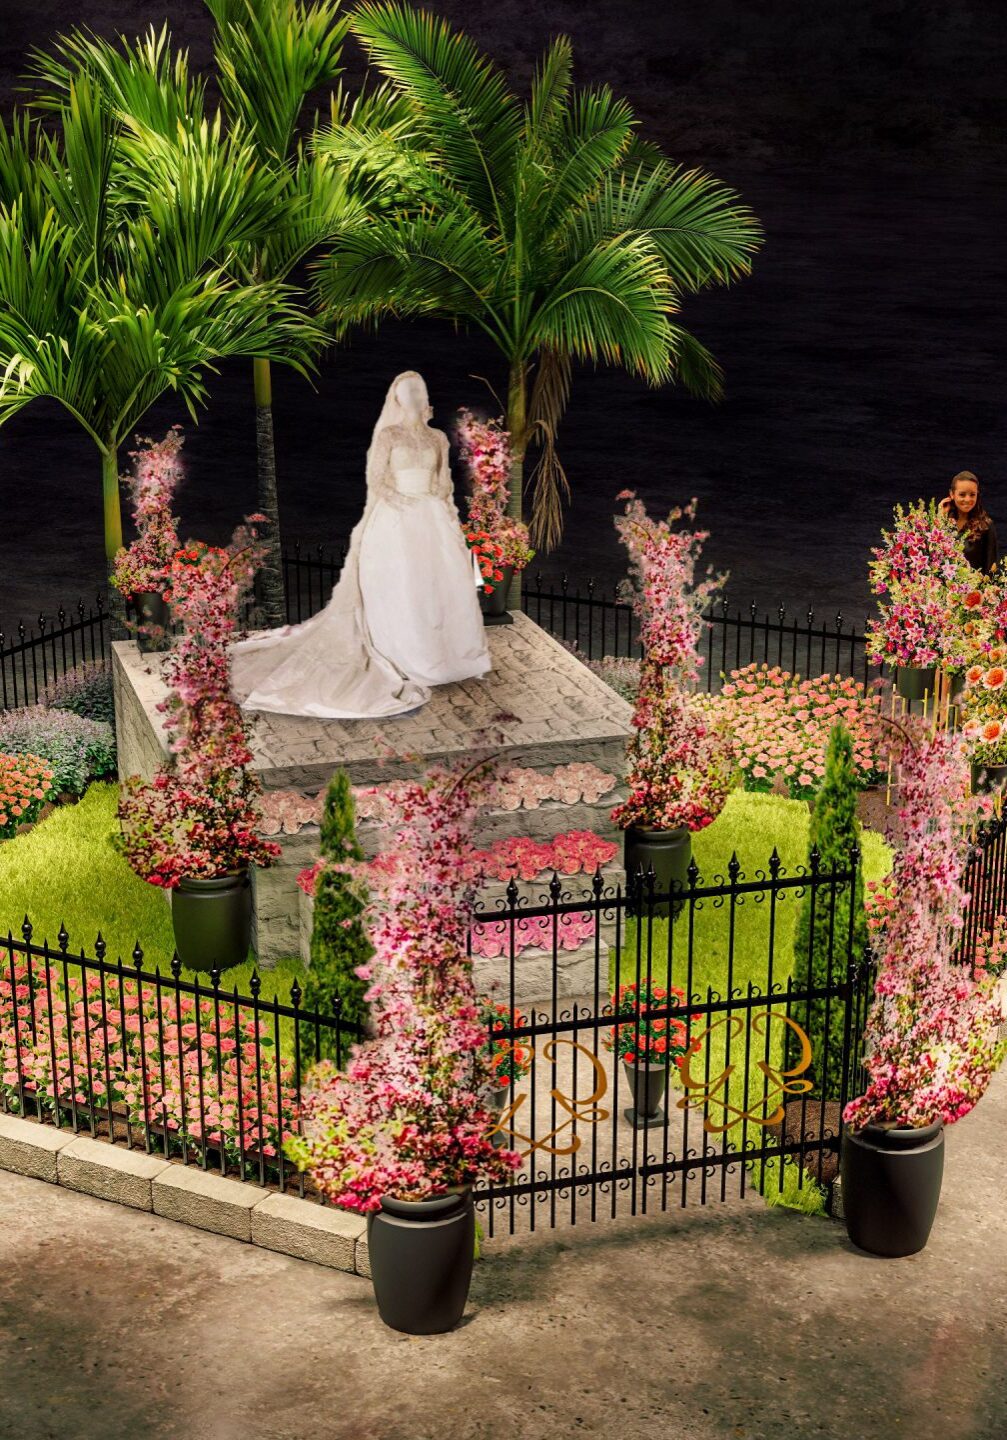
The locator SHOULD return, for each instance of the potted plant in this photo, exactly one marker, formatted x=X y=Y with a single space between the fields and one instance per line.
x=193 y=828
x=509 y=1060
x=140 y=570
x=498 y=541
x=681 y=758
x=931 y=1034
x=403 y=1133
x=921 y=575
x=647 y=1044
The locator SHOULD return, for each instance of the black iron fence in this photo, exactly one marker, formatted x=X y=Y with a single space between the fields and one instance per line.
x=654 y=1049
x=595 y=623
x=194 y=1070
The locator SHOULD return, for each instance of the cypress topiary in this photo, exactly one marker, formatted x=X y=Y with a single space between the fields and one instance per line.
x=821 y=956
x=339 y=941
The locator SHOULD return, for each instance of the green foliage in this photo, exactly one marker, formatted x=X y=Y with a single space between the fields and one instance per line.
x=807 y=1197
x=86 y=690
x=826 y=930
x=339 y=940
x=78 y=750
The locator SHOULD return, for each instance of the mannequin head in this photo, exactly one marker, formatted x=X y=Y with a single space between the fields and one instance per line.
x=412 y=399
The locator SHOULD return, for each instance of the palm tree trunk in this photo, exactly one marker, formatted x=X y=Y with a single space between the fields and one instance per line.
x=112 y=513
x=517 y=429
x=269 y=584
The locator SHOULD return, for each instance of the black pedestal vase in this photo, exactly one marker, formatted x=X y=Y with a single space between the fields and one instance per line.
x=647 y=1085
x=151 y=610
x=494 y=607
x=421 y=1254
x=212 y=920
x=668 y=853
x=891 y=1185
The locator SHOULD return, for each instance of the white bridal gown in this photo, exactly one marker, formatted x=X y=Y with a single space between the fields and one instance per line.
x=405 y=613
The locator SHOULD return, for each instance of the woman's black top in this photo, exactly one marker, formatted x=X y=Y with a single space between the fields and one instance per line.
x=981 y=553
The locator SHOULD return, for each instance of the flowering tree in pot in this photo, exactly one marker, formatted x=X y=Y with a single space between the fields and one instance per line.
x=498 y=540
x=405 y=1131
x=140 y=571
x=681 y=761
x=193 y=827
x=931 y=1037
x=921 y=576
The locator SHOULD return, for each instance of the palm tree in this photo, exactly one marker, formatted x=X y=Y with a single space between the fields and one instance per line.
x=111 y=290
x=547 y=224
x=271 y=55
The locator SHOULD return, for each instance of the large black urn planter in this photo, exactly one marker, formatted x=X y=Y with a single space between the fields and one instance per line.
x=494 y=607
x=152 y=610
x=891 y=1185
x=421 y=1254
x=647 y=1084
x=212 y=920
x=987 y=778
x=915 y=682
x=667 y=852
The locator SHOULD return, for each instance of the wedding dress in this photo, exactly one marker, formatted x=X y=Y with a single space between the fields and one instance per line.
x=404 y=614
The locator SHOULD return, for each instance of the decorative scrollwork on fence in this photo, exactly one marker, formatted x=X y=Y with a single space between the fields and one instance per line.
x=700 y=1094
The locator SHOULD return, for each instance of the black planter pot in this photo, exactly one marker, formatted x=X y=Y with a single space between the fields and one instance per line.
x=956 y=687
x=667 y=852
x=151 y=609
x=421 y=1254
x=647 y=1085
x=914 y=682
x=497 y=1101
x=494 y=607
x=212 y=920
x=986 y=778
x=891 y=1186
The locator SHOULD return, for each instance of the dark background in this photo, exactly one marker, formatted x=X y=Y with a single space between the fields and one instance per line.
x=864 y=358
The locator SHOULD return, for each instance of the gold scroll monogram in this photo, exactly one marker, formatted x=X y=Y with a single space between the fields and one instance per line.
x=699 y=1094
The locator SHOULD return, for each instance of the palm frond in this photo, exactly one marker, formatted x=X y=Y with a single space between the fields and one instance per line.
x=611 y=305
x=550 y=88
x=78 y=166
x=589 y=140
x=271 y=54
x=694 y=365
x=701 y=227
x=144 y=80
x=461 y=99
x=408 y=265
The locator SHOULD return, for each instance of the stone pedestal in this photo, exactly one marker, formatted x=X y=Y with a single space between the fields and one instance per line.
x=539 y=708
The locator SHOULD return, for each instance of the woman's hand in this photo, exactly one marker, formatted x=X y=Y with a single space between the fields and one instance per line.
x=945 y=506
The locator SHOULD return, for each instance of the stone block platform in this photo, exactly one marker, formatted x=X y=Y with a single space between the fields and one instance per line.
x=540 y=708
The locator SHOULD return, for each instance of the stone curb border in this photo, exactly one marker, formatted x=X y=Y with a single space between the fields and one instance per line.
x=286 y=1223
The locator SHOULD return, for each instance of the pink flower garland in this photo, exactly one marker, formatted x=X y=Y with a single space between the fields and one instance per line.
x=406 y=1117
x=932 y=1028
x=680 y=755
x=157 y=471
x=922 y=577
x=497 y=538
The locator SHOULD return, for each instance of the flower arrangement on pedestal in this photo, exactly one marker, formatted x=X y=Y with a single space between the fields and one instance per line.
x=921 y=575
x=198 y=821
x=648 y=1045
x=499 y=541
x=509 y=1060
x=140 y=571
x=931 y=1034
x=404 y=1131
x=681 y=756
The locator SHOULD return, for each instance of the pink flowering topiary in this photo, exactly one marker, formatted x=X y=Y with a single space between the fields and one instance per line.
x=681 y=764
x=497 y=538
x=931 y=1032
x=157 y=470
x=407 y=1116
x=201 y=818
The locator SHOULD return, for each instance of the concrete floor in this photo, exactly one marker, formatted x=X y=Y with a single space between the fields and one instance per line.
x=734 y=1322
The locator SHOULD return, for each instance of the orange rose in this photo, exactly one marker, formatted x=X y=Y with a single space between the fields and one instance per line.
x=973 y=600
x=992 y=730
x=994 y=679
x=974 y=675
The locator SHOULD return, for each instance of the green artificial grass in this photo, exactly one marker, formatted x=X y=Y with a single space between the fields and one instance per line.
x=751 y=941
x=67 y=871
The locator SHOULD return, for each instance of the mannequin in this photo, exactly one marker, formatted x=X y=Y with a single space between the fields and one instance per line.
x=404 y=615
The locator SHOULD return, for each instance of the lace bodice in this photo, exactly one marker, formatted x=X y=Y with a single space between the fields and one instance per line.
x=411 y=460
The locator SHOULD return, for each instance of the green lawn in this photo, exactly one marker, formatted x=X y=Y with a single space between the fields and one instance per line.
x=67 y=871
